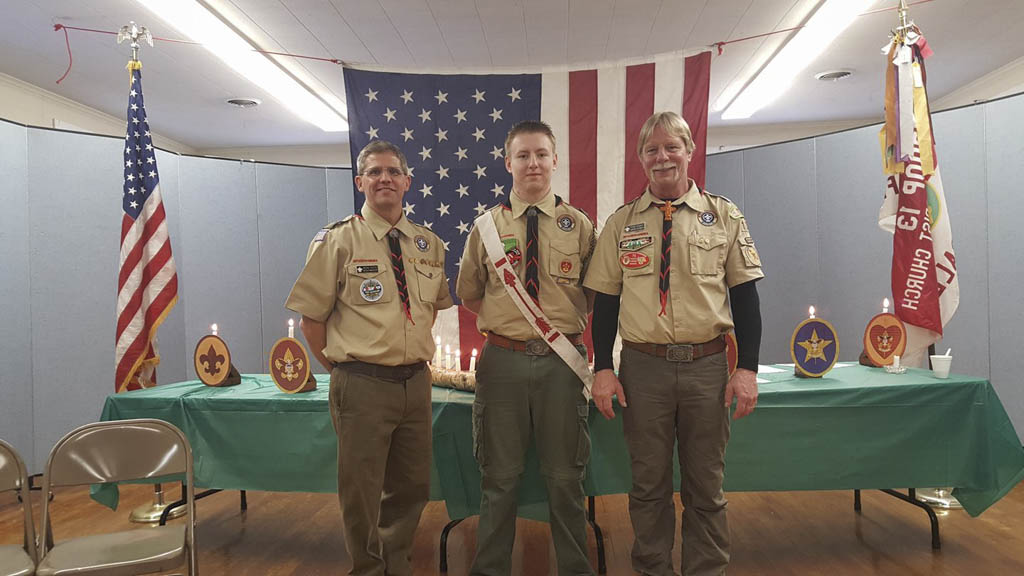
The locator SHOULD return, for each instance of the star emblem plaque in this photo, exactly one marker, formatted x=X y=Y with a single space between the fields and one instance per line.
x=814 y=348
x=289 y=367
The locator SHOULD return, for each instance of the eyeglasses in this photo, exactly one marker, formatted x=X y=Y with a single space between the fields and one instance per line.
x=376 y=172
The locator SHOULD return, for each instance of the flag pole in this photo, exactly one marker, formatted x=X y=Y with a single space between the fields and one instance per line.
x=934 y=497
x=147 y=513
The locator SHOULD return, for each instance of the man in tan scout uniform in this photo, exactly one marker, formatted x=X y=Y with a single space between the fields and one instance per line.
x=368 y=296
x=522 y=385
x=667 y=268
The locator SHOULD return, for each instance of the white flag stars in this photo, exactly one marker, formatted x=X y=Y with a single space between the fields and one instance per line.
x=479 y=96
x=460 y=116
x=463 y=228
x=406 y=96
x=499 y=190
x=409 y=209
x=442 y=97
x=441 y=172
x=442 y=209
x=441 y=134
x=497 y=153
x=425 y=153
x=495 y=114
x=461 y=153
x=389 y=114
x=371 y=95
x=514 y=94
x=407 y=134
x=478 y=134
x=463 y=190
x=480 y=171
x=426 y=190
x=372 y=132
x=424 y=115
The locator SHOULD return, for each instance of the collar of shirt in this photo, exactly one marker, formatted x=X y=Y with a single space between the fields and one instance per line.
x=692 y=198
x=546 y=204
x=380 y=227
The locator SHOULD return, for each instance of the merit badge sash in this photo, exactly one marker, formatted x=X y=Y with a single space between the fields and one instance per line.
x=527 y=307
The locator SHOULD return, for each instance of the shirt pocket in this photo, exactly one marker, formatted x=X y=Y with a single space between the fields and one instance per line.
x=367 y=284
x=707 y=253
x=564 y=263
x=429 y=279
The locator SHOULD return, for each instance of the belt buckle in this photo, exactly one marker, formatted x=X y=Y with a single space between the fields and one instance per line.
x=679 y=353
x=536 y=348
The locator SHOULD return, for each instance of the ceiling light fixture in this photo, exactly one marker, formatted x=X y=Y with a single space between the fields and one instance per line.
x=198 y=22
x=827 y=23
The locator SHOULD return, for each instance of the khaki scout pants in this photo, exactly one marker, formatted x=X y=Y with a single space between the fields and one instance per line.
x=384 y=447
x=670 y=401
x=517 y=394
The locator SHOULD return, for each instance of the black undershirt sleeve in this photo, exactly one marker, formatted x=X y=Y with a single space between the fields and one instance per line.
x=746 y=315
x=604 y=328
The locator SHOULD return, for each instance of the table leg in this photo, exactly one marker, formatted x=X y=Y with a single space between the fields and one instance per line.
x=856 y=500
x=911 y=498
x=180 y=503
x=598 y=537
x=443 y=568
x=244 y=503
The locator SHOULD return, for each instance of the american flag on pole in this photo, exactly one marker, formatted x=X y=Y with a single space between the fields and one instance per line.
x=147 y=281
x=925 y=287
x=452 y=129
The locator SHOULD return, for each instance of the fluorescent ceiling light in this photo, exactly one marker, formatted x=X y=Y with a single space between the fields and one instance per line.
x=195 y=21
x=828 y=22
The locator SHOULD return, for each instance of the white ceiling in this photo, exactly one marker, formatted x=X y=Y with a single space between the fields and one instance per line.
x=186 y=86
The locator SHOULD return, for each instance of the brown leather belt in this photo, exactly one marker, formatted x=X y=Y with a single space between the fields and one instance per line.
x=678 y=352
x=395 y=373
x=536 y=347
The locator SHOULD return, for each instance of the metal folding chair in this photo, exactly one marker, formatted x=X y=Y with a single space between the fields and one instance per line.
x=17 y=560
x=118 y=451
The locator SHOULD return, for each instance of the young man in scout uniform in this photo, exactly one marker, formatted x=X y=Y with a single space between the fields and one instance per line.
x=667 y=268
x=368 y=295
x=524 y=259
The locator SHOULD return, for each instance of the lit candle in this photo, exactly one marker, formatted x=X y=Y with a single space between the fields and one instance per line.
x=811 y=312
x=213 y=329
x=472 y=361
x=458 y=359
x=447 y=357
x=291 y=328
x=437 y=351
x=885 y=306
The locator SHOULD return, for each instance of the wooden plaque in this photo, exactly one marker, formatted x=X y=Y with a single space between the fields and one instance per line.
x=212 y=361
x=884 y=337
x=814 y=347
x=289 y=367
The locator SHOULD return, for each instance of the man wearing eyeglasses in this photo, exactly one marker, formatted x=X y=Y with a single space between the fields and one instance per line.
x=368 y=295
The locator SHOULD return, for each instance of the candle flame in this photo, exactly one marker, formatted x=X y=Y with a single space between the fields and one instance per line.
x=291 y=322
x=474 y=351
x=810 y=311
x=885 y=303
x=213 y=327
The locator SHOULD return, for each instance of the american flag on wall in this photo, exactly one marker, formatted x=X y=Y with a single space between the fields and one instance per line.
x=452 y=129
x=147 y=282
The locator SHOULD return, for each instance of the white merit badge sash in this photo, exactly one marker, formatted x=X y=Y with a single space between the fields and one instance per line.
x=527 y=307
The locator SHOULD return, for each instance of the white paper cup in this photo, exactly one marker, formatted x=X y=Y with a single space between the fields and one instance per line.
x=940 y=365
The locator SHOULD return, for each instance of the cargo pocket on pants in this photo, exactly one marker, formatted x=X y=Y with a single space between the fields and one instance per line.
x=583 y=437
x=478 y=432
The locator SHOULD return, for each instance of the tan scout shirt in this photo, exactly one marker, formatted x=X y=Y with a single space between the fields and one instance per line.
x=712 y=251
x=349 y=284
x=565 y=242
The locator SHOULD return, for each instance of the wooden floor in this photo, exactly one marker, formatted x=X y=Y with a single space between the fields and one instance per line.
x=782 y=533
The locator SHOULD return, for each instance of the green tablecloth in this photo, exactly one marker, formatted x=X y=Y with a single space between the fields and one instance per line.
x=856 y=428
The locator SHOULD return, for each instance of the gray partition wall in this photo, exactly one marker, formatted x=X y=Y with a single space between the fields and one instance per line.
x=813 y=208
x=15 y=293
x=240 y=231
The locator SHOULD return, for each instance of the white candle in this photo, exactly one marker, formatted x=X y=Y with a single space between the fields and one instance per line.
x=811 y=312
x=472 y=361
x=885 y=306
x=213 y=329
x=458 y=359
x=291 y=328
x=896 y=362
x=447 y=357
x=437 y=351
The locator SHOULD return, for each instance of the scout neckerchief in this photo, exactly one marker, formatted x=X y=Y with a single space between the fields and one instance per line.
x=399 y=268
x=532 y=286
x=667 y=208
x=527 y=306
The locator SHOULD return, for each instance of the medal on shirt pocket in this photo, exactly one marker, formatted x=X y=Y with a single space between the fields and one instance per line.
x=564 y=264
x=368 y=284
